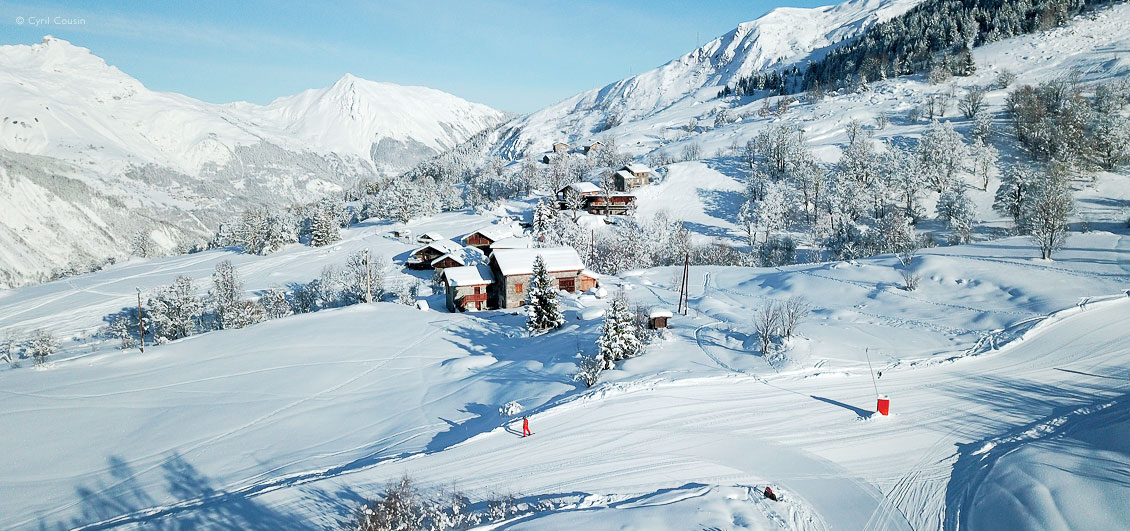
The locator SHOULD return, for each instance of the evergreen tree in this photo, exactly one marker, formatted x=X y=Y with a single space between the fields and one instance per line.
x=542 y=309
x=618 y=340
x=324 y=229
x=544 y=220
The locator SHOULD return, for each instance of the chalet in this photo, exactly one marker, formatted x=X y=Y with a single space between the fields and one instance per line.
x=614 y=204
x=441 y=254
x=547 y=158
x=483 y=238
x=631 y=177
x=513 y=268
x=467 y=287
x=583 y=189
x=402 y=233
x=593 y=147
x=429 y=237
x=513 y=243
x=560 y=147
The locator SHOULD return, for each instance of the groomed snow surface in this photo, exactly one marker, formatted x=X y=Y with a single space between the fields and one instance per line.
x=291 y=423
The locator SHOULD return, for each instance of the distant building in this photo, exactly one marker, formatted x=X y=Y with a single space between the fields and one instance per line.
x=657 y=318
x=582 y=189
x=442 y=254
x=614 y=204
x=561 y=147
x=631 y=177
x=429 y=237
x=483 y=238
x=513 y=268
x=593 y=147
x=468 y=288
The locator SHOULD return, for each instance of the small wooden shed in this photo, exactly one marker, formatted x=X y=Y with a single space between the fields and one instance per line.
x=657 y=318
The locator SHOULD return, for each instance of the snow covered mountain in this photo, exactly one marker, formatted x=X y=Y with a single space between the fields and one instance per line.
x=781 y=38
x=84 y=145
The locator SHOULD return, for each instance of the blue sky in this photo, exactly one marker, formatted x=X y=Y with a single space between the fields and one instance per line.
x=517 y=56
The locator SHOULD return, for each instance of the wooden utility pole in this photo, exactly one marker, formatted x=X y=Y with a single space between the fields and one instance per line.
x=368 y=278
x=140 y=323
x=683 y=295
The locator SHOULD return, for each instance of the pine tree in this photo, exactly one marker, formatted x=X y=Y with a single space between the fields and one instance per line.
x=542 y=309
x=324 y=228
x=618 y=339
x=544 y=219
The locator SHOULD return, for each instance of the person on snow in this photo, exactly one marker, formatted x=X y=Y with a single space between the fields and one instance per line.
x=526 y=427
x=770 y=494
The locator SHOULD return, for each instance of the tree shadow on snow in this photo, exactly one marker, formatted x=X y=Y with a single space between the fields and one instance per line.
x=190 y=500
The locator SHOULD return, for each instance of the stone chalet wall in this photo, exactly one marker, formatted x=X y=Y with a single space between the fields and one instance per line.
x=509 y=297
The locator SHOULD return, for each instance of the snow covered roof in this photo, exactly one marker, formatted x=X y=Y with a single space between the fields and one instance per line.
x=430 y=236
x=590 y=273
x=521 y=261
x=636 y=167
x=513 y=243
x=625 y=174
x=467 y=256
x=442 y=247
x=469 y=275
x=582 y=188
x=659 y=312
x=495 y=232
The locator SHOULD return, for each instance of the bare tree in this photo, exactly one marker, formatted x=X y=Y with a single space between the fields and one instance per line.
x=766 y=322
x=1045 y=215
x=972 y=102
x=793 y=311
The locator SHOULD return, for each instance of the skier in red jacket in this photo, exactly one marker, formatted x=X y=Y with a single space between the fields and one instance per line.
x=525 y=427
x=770 y=494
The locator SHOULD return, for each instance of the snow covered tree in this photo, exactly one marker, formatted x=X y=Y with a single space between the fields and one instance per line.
x=589 y=369
x=906 y=181
x=576 y=202
x=224 y=295
x=767 y=323
x=1012 y=195
x=1044 y=215
x=793 y=311
x=173 y=312
x=324 y=228
x=9 y=348
x=542 y=312
x=768 y=215
x=544 y=219
x=141 y=244
x=1111 y=145
x=618 y=340
x=941 y=154
x=40 y=346
x=955 y=207
x=982 y=126
x=972 y=102
x=364 y=277
x=984 y=159
x=274 y=303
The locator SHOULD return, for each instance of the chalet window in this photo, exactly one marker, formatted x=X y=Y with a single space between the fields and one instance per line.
x=566 y=284
x=478 y=290
x=518 y=287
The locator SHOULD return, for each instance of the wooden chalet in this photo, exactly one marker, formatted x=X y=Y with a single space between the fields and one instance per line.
x=483 y=238
x=560 y=147
x=468 y=288
x=631 y=177
x=441 y=254
x=583 y=189
x=593 y=147
x=513 y=268
x=614 y=204
x=657 y=318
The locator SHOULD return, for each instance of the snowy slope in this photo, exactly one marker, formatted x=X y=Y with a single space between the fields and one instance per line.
x=781 y=38
x=79 y=138
x=293 y=420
